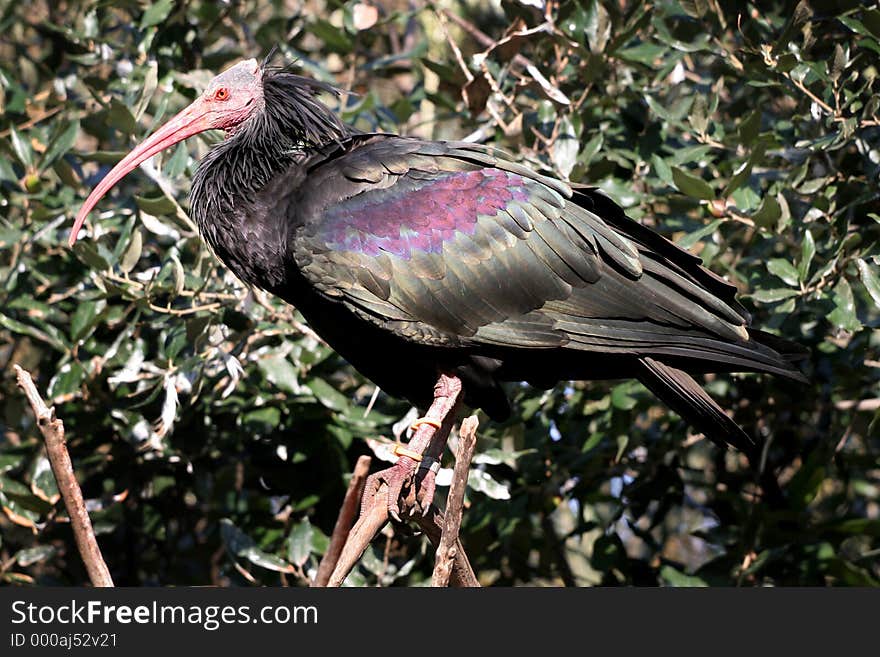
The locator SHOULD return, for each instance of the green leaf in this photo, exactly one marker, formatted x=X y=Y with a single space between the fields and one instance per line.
x=801 y=14
x=16 y=326
x=592 y=442
x=844 y=313
x=333 y=37
x=88 y=253
x=156 y=13
x=482 y=481
x=749 y=128
x=855 y=25
x=305 y=503
x=242 y=546
x=328 y=395
x=280 y=372
x=261 y=420
x=299 y=542
x=659 y=109
x=744 y=172
x=67 y=380
x=43 y=483
x=808 y=251
x=784 y=270
x=176 y=164
x=691 y=185
x=622 y=444
x=871 y=20
x=6 y=171
x=695 y=8
x=674 y=577
x=620 y=397
x=768 y=213
x=119 y=116
x=565 y=148
x=591 y=148
x=151 y=81
x=662 y=169
x=84 y=319
x=132 y=251
x=60 y=144
x=32 y=555
x=645 y=53
x=699 y=117
x=869 y=280
x=804 y=485
x=156 y=206
x=22 y=148
x=772 y=296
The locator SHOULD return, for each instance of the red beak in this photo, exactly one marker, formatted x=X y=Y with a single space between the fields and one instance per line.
x=192 y=120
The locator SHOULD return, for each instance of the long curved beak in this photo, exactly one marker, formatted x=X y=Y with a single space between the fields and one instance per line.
x=190 y=121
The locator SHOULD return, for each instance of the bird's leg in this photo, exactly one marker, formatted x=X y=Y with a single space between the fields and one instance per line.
x=411 y=481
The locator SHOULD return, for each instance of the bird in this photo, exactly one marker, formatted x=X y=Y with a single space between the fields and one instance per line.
x=415 y=258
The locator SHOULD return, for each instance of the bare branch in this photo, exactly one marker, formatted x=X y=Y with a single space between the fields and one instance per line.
x=53 y=434
x=462 y=574
x=407 y=490
x=372 y=519
x=344 y=521
x=449 y=542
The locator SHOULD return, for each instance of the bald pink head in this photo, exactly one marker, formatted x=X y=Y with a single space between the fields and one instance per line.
x=231 y=98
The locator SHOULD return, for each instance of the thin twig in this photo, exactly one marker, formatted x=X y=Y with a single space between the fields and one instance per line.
x=481 y=37
x=455 y=49
x=446 y=551
x=858 y=404
x=344 y=521
x=30 y=123
x=52 y=429
x=179 y=312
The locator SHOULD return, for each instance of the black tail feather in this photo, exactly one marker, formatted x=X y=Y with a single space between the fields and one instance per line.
x=678 y=390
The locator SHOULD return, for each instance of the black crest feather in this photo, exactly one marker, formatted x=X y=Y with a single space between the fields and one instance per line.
x=292 y=103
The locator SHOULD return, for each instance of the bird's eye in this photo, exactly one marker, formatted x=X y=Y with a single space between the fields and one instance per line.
x=221 y=94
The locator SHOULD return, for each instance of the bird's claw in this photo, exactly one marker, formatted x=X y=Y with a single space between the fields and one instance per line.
x=410 y=487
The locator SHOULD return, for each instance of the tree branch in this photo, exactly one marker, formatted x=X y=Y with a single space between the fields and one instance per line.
x=462 y=573
x=447 y=549
x=344 y=521
x=408 y=490
x=53 y=435
x=371 y=521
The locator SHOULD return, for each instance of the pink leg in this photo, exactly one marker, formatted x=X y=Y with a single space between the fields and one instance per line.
x=411 y=483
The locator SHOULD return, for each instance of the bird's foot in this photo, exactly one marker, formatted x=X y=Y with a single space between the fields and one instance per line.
x=410 y=482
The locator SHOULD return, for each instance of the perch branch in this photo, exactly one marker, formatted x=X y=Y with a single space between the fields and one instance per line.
x=52 y=429
x=344 y=522
x=449 y=542
x=405 y=487
x=462 y=573
x=372 y=519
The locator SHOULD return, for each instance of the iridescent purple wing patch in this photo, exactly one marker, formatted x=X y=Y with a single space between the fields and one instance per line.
x=420 y=215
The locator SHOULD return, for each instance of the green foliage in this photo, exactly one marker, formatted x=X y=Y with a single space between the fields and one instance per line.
x=213 y=433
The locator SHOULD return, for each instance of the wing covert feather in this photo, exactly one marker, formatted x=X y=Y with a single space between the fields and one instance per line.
x=465 y=246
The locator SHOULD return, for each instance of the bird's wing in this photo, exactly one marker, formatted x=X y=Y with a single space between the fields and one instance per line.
x=456 y=244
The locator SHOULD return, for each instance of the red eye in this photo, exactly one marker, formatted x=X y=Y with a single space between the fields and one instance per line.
x=221 y=94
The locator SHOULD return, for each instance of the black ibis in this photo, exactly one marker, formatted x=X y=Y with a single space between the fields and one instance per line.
x=419 y=259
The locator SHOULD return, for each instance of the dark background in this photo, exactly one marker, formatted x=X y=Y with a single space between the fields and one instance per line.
x=213 y=433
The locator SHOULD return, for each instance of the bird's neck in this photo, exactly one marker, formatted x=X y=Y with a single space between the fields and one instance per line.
x=222 y=202
x=247 y=235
